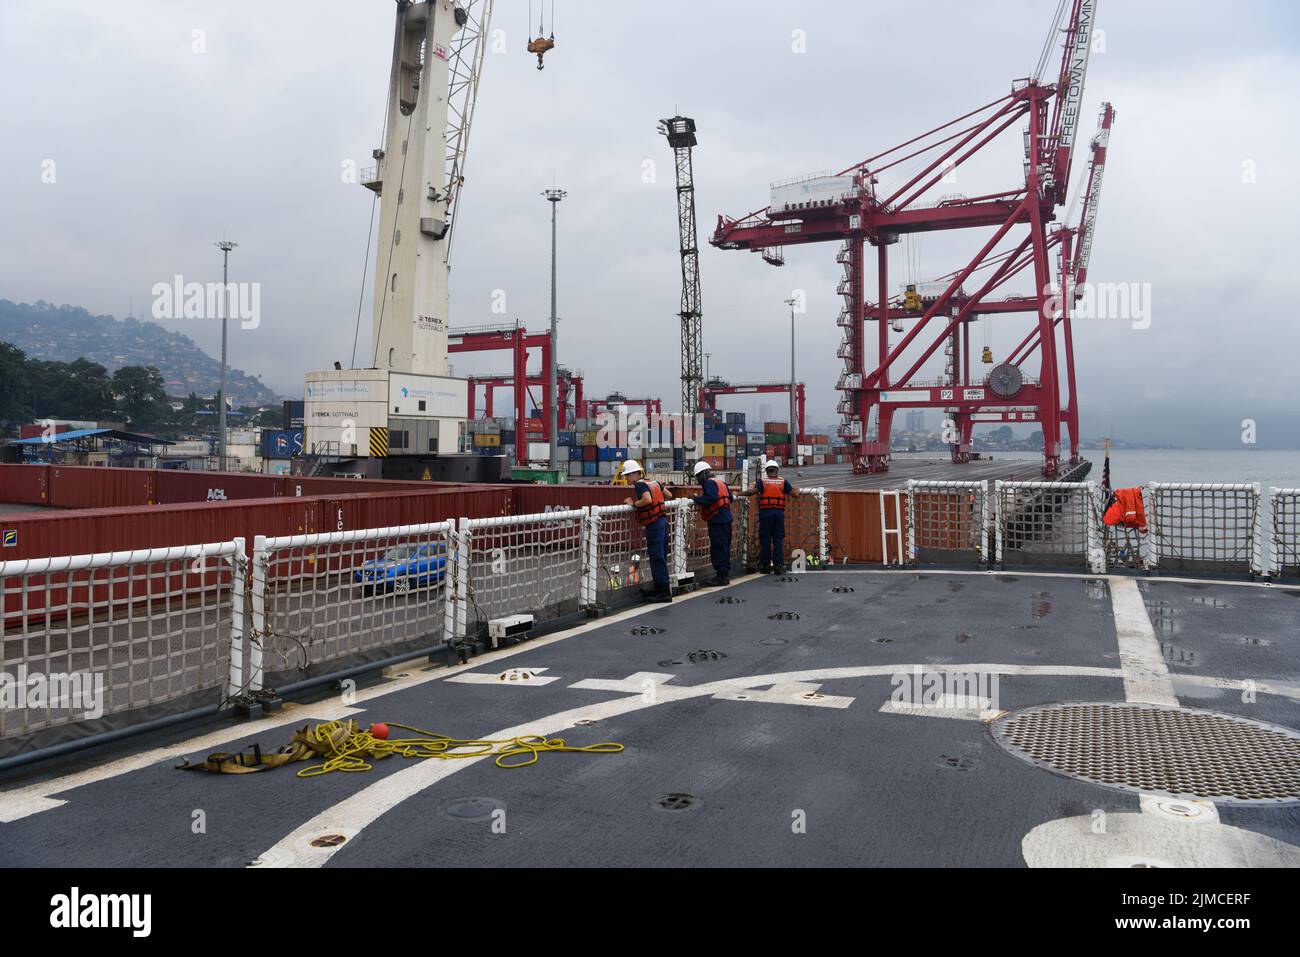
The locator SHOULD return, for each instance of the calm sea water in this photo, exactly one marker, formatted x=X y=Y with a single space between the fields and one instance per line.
x=1139 y=466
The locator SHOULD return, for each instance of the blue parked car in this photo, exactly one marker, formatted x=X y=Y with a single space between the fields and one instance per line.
x=402 y=568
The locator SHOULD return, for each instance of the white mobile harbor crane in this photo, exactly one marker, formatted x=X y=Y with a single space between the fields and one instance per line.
x=405 y=402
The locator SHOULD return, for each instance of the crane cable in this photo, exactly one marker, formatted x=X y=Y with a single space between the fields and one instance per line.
x=392 y=240
x=1047 y=43
x=365 y=264
x=541 y=13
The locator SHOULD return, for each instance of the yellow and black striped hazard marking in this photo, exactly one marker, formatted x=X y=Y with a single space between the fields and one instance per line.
x=379 y=442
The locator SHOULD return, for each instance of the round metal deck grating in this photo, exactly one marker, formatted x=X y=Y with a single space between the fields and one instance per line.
x=1178 y=752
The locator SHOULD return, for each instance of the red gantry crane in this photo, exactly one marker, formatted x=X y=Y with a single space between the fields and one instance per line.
x=715 y=387
x=854 y=209
x=518 y=341
x=566 y=382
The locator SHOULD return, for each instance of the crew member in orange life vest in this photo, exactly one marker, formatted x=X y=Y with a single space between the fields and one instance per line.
x=715 y=509
x=648 y=500
x=771 y=490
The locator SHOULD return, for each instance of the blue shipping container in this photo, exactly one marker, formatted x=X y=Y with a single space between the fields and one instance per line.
x=589 y=469
x=610 y=454
x=565 y=438
x=575 y=453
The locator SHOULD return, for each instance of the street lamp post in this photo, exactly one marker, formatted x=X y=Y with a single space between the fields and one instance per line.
x=794 y=426
x=225 y=246
x=553 y=196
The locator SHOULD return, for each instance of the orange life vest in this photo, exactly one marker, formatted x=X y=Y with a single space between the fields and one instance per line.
x=649 y=514
x=724 y=501
x=1127 y=509
x=771 y=493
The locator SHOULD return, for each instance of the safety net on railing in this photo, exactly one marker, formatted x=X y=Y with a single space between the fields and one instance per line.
x=96 y=642
x=1048 y=523
x=1205 y=527
x=520 y=564
x=1284 y=531
x=806 y=532
x=947 y=521
x=616 y=555
x=698 y=548
x=324 y=599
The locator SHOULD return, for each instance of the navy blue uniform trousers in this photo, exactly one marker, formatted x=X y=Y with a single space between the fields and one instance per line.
x=771 y=536
x=656 y=544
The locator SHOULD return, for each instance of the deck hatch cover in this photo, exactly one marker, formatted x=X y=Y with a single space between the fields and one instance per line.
x=1184 y=753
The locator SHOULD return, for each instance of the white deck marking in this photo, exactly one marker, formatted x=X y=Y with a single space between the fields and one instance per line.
x=1257 y=685
x=635 y=683
x=790 y=692
x=959 y=706
x=510 y=678
x=1146 y=676
x=1151 y=839
x=352 y=815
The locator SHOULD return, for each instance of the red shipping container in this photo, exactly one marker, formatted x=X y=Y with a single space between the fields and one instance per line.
x=174 y=486
x=24 y=484
x=589 y=453
x=84 y=486
x=30 y=430
x=530 y=499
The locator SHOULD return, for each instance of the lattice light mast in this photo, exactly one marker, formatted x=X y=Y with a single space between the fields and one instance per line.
x=680 y=131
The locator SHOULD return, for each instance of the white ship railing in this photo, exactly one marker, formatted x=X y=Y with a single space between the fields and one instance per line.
x=323 y=598
x=1048 y=523
x=118 y=638
x=1205 y=527
x=1284 y=531
x=167 y=629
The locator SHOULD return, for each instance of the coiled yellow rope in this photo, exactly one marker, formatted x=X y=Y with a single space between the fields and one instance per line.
x=346 y=747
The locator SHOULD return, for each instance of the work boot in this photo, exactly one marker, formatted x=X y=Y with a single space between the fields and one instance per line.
x=721 y=581
x=779 y=569
x=666 y=595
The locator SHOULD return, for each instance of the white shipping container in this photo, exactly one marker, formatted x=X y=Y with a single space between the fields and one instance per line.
x=575 y=469
x=819 y=460
x=539 y=452
x=811 y=193
x=606 y=469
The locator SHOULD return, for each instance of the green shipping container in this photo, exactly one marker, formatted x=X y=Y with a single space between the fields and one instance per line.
x=542 y=476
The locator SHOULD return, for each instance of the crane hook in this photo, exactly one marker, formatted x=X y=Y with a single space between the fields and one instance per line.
x=540 y=46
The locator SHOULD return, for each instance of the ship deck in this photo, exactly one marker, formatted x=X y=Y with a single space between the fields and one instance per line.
x=748 y=740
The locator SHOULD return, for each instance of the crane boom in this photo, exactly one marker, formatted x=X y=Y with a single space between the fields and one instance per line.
x=465 y=66
x=1092 y=198
x=1069 y=95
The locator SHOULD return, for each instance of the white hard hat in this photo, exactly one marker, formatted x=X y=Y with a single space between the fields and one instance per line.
x=771 y=464
x=701 y=466
x=631 y=465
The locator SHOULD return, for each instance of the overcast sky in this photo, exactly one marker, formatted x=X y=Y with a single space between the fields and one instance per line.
x=159 y=150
